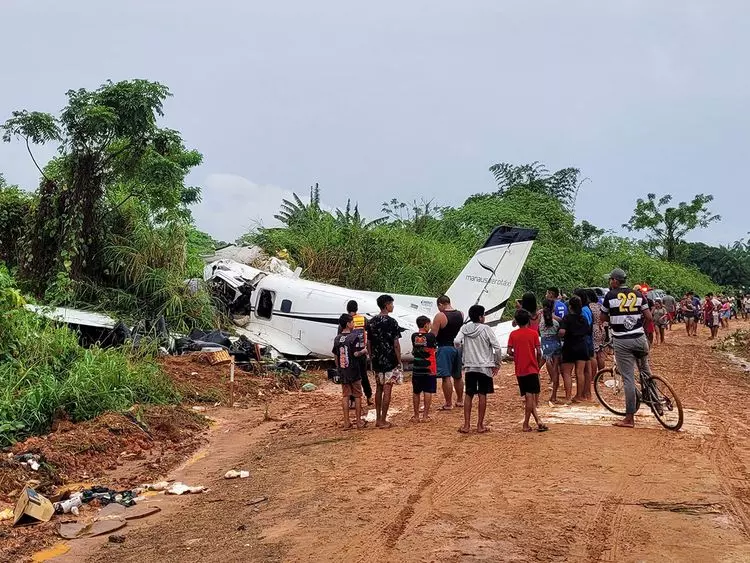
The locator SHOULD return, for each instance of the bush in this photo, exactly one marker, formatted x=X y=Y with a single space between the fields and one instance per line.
x=44 y=373
x=424 y=256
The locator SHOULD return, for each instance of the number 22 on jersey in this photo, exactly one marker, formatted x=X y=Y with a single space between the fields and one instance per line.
x=628 y=302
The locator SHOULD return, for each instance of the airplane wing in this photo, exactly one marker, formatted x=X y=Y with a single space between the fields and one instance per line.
x=73 y=316
x=268 y=336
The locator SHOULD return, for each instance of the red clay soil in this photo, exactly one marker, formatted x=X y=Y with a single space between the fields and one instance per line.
x=201 y=382
x=584 y=491
x=121 y=451
x=113 y=450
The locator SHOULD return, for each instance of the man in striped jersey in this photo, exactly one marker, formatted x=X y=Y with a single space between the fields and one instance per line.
x=626 y=309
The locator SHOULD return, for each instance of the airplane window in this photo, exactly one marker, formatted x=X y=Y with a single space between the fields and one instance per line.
x=286 y=306
x=265 y=304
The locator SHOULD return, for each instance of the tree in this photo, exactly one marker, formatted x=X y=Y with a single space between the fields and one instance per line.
x=725 y=266
x=15 y=208
x=666 y=226
x=563 y=185
x=298 y=211
x=349 y=218
x=111 y=153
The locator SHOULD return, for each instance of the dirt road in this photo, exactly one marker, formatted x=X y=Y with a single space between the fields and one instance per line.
x=584 y=491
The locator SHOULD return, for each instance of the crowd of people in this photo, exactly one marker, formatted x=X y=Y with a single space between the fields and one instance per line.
x=570 y=336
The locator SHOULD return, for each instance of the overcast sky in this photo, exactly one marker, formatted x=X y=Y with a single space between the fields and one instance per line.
x=411 y=98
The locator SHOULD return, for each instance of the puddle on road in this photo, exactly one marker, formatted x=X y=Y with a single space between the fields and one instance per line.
x=696 y=422
x=51 y=552
x=371 y=414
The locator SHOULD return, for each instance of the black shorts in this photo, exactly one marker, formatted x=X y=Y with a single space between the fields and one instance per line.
x=424 y=384
x=478 y=383
x=575 y=354
x=529 y=384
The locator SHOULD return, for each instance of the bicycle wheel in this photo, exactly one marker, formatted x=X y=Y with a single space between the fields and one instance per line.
x=610 y=391
x=664 y=403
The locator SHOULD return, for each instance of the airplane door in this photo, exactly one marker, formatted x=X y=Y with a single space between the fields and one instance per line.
x=265 y=308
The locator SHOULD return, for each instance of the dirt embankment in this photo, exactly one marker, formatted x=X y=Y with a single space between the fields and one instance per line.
x=123 y=450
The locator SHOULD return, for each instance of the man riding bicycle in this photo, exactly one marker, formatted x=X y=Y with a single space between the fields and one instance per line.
x=626 y=310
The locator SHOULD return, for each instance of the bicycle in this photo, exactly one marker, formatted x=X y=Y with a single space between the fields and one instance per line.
x=653 y=390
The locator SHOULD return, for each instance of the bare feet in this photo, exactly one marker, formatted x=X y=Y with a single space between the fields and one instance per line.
x=362 y=424
x=482 y=429
x=445 y=408
x=464 y=430
x=384 y=425
x=459 y=405
x=542 y=428
x=624 y=424
x=426 y=419
x=414 y=419
x=527 y=429
x=347 y=426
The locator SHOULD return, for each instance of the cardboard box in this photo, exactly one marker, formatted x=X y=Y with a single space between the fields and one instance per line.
x=32 y=506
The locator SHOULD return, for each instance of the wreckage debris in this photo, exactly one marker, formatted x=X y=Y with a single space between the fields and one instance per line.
x=179 y=488
x=234 y=474
x=32 y=508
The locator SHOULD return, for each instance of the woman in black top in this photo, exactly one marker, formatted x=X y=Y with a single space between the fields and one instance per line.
x=574 y=330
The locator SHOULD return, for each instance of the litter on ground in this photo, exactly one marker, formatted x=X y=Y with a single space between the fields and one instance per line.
x=181 y=489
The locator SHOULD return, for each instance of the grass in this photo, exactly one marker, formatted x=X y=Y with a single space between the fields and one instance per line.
x=45 y=374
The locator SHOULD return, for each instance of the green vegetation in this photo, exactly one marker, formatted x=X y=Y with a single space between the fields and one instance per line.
x=422 y=248
x=110 y=225
x=45 y=373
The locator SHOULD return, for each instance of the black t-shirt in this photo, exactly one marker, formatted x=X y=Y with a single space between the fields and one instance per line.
x=625 y=308
x=576 y=329
x=382 y=332
x=424 y=347
x=344 y=347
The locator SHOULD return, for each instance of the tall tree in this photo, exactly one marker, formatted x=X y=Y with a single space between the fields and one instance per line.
x=563 y=185
x=111 y=152
x=725 y=266
x=666 y=226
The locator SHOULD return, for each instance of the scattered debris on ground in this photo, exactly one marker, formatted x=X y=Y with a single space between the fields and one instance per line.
x=182 y=489
x=234 y=474
x=158 y=436
x=200 y=381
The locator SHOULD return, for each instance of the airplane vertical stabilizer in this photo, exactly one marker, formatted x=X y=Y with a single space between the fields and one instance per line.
x=489 y=277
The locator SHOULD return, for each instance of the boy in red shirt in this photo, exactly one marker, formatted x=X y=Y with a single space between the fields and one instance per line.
x=525 y=349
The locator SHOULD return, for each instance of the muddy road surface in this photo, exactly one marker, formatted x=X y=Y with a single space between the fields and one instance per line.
x=584 y=491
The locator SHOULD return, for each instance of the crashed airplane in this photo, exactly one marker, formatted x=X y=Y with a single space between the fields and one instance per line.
x=299 y=318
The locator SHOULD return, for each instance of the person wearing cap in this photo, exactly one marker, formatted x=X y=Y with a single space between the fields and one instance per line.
x=626 y=310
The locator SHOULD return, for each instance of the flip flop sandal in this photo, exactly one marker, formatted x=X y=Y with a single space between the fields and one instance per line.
x=542 y=428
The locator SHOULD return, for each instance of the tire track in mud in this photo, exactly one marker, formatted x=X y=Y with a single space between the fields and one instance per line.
x=734 y=479
x=603 y=531
x=419 y=503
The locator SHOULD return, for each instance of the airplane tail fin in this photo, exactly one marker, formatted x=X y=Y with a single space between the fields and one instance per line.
x=489 y=277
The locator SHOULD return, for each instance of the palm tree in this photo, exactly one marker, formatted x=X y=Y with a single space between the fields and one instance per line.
x=349 y=218
x=297 y=210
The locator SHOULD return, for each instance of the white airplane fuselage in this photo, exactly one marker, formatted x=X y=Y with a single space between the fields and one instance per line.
x=300 y=318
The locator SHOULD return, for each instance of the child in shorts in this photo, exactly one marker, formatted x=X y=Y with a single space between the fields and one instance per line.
x=424 y=372
x=549 y=330
x=347 y=348
x=482 y=356
x=526 y=350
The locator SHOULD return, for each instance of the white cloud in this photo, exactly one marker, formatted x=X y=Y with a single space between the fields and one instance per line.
x=232 y=205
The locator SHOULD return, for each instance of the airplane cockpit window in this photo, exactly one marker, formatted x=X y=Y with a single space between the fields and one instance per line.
x=286 y=306
x=265 y=304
